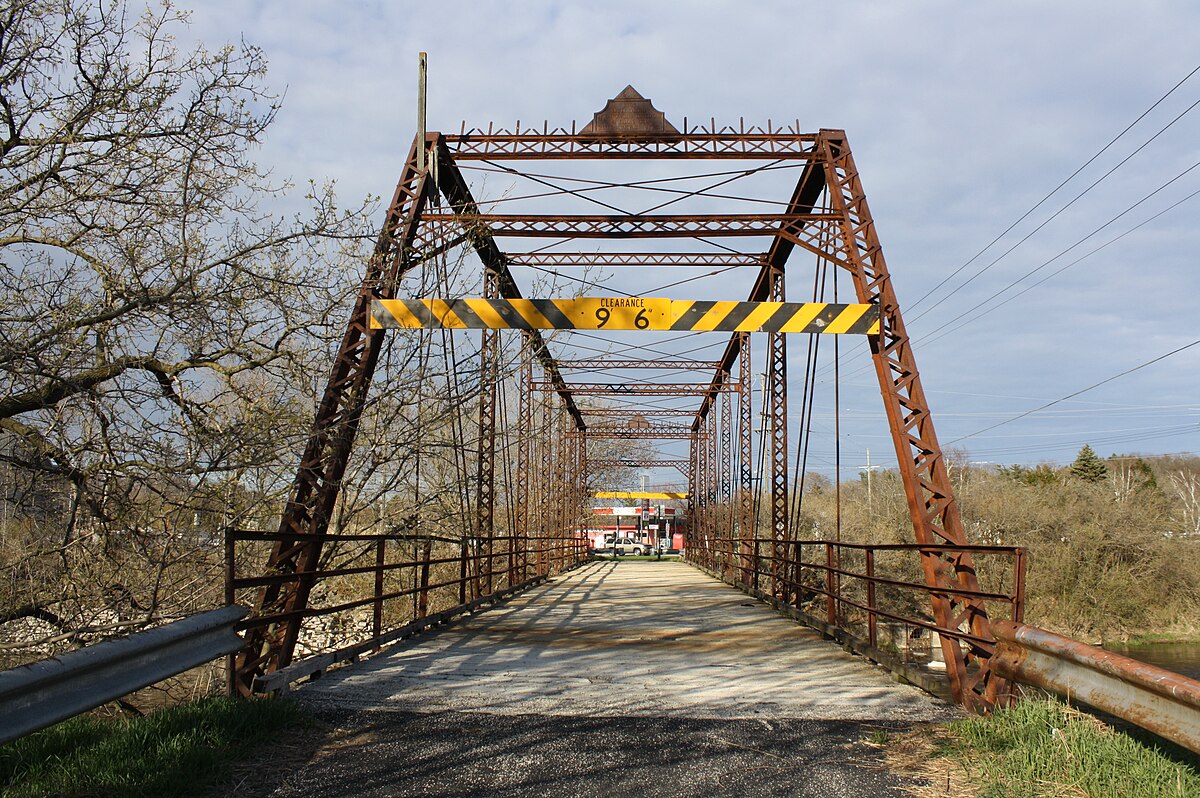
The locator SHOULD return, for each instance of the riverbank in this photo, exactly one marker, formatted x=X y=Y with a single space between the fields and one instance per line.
x=1181 y=656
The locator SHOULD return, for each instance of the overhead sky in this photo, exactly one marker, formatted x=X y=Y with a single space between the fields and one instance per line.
x=962 y=117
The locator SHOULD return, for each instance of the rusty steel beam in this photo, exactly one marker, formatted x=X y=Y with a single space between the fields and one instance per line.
x=747 y=526
x=485 y=483
x=617 y=363
x=932 y=505
x=632 y=462
x=635 y=388
x=695 y=144
x=708 y=260
x=714 y=507
x=524 y=475
x=637 y=433
x=649 y=413
x=776 y=405
x=729 y=477
x=314 y=493
x=803 y=200
x=664 y=429
x=454 y=187
x=626 y=225
x=1154 y=698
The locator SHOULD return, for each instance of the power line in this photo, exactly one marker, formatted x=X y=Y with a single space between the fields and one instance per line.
x=1077 y=393
x=1056 y=189
x=933 y=335
x=946 y=328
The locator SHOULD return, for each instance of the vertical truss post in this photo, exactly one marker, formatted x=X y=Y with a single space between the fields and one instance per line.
x=584 y=503
x=519 y=566
x=554 y=496
x=541 y=468
x=714 y=512
x=776 y=401
x=542 y=477
x=728 y=471
x=702 y=493
x=929 y=493
x=746 y=525
x=562 y=453
x=306 y=517
x=570 y=490
x=485 y=481
x=693 y=500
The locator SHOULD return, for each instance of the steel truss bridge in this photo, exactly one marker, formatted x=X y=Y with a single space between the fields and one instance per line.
x=434 y=209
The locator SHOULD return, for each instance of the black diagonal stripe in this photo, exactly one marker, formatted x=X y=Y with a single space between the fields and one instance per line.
x=507 y=312
x=735 y=317
x=460 y=308
x=864 y=323
x=827 y=316
x=692 y=315
x=418 y=309
x=781 y=316
x=386 y=320
x=553 y=315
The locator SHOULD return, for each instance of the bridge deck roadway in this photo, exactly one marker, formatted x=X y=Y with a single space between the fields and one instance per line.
x=637 y=678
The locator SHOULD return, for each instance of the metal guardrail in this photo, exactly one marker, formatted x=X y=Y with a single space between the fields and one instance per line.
x=38 y=695
x=1153 y=698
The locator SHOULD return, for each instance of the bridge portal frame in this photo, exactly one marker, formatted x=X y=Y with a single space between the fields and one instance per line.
x=840 y=231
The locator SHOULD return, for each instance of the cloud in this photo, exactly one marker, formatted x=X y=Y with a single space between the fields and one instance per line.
x=961 y=116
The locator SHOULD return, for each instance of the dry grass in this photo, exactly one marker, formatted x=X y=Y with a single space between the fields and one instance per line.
x=919 y=756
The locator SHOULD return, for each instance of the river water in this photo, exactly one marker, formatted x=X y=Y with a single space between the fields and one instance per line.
x=1179 y=657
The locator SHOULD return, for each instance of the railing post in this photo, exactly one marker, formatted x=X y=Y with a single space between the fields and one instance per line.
x=871 y=635
x=512 y=557
x=830 y=602
x=798 y=575
x=1019 y=586
x=377 y=617
x=423 y=596
x=462 y=572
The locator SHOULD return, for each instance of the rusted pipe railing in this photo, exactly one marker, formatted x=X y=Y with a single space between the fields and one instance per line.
x=847 y=592
x=390 y=590
x=1153 y=698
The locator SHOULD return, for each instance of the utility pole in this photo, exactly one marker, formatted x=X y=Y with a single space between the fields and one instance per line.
x=422 y=73
x=868 y=468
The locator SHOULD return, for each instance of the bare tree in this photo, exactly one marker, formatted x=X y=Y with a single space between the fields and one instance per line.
x=158 y=329
x=1186 y=487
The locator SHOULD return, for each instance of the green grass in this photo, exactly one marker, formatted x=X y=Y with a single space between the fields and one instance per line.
x=1042 y=748
x=174 y=752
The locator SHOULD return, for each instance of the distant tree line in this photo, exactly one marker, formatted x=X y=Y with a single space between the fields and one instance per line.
x=1114 y=545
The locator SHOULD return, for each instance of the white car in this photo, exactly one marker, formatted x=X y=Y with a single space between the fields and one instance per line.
x=630 y=546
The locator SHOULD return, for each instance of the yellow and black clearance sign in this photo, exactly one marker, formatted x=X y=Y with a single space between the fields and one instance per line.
x=625 y=313
x=638 y=494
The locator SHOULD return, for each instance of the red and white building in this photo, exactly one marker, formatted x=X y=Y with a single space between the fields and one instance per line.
x=645 y=524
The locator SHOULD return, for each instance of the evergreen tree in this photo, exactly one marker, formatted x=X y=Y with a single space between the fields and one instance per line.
x=1088 y=466
x=1145 y=475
